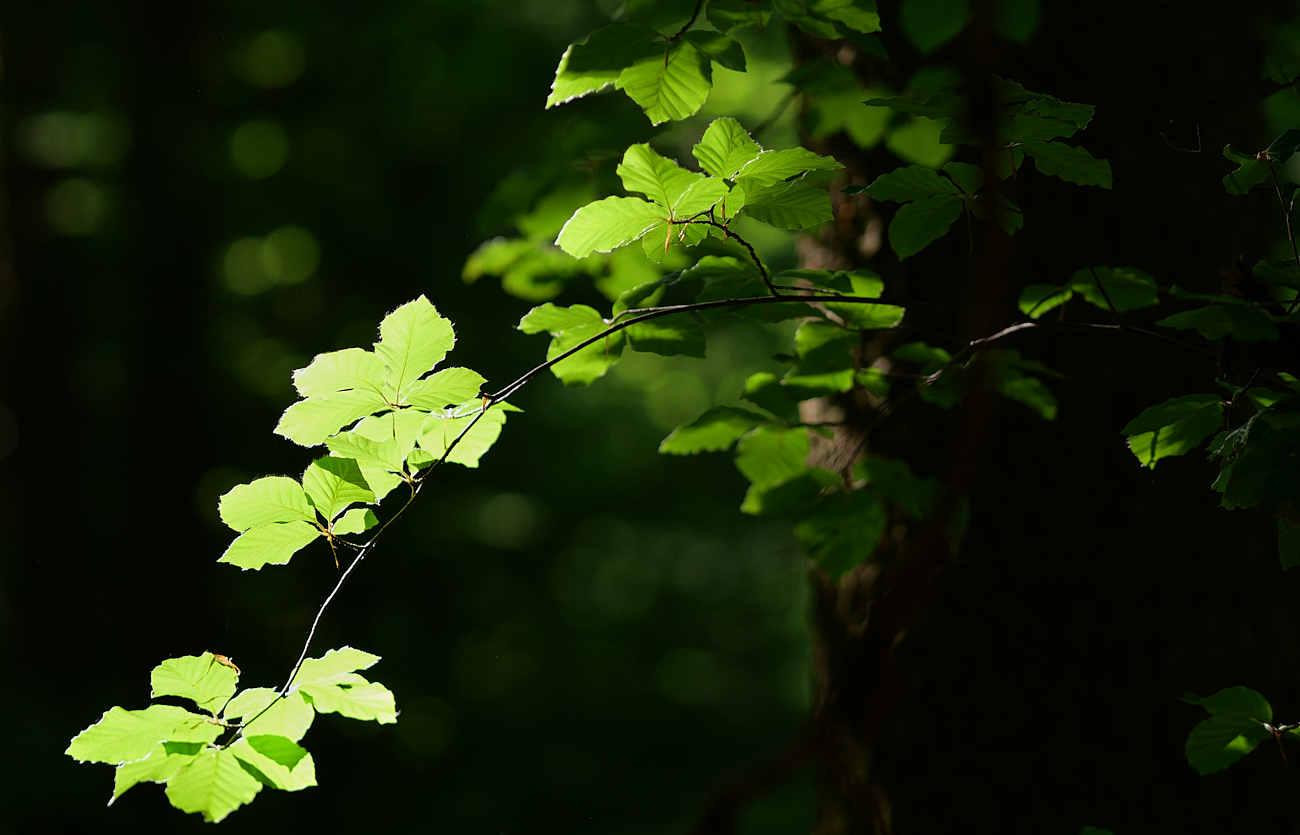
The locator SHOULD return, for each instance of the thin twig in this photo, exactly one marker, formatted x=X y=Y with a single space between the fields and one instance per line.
x=699 y=4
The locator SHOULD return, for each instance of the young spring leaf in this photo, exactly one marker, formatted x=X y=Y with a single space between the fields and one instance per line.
x=608 y=224
x=159 y=766
x=127 y=735
x=334 y=666
x=334 y=483
x=772 y=167
x=266 y=713
x=658 y=178
x=412 y=340
x=269 y=544
x=770 y=455
x=671 y=83
x=354 y=697
x=914 y=182
x=339 y=371
x=1235 y=727
x=265 y=501
x=595 y=62
x=441 y=432
x=444 y=388
x=309 y=422
x=714 y=431
x=725 y=148
x=356 y=520
x=198 y=678
x=276 y=762
x=1174 y=427
x=213 y=784
x=788 y=206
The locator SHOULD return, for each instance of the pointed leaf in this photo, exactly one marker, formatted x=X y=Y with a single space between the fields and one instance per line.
x=916 y=225
x=262 y=710
x=440 y=432
x=264 y=501
x=1074 y=165
x=127 y=735
x=413 y=339
x=714 y=431
x=158 y=766
x=970 y=178
x=841 y=530
x=596 y=62
x=1218 y=320
x=213 y=784
x=788 y=206
x=368 y=701
x=608 y=224
x=357 y=520
x=671 y=84
x=368 y=453
x=334 y=483
x=725 y=148
x=772 y=167
x=198 y=678
x=1037 y=299
x=445 y=388
x=726 y=51
x=337 y=371
x=552 y=319
x=276 y=761
x=771 y=455
x=269 y=545
x=1174 y=427
x=915 y=182
x=590 y=363
x=309 y=422
x=1250 y=172
x=333 y=666
x=661 y=180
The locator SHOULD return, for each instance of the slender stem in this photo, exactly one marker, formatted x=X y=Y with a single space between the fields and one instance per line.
x=699 y=4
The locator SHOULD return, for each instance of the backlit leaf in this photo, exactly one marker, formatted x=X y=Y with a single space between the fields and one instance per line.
x=413 y=338
x=328 y=374
x=770 y=455
x=772 y=167
x=725 y=148
x=333 y=666
x=1174 y=427
x=264 y=712
x=264 y=501
x=309 y=422
x=608 y=224
x=127 y=735
x=213 y=784
x=198 y=678
x=334 y=483
x=367 y=701
x=788 y=206
x=596 y=61
x=269 y=544
x=445 y=388
x=671 y=83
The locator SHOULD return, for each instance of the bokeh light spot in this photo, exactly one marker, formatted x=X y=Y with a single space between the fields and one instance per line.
x=259 y=148
x=273 y=60
x=67 y=139
x=76 y=207
x=243 y=270
x=290 y=255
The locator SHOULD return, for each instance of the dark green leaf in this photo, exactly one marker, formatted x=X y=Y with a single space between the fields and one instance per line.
x=1217 y=321
x=915 y=182
x=771 y=455
x=671 y=83
x=1250 y=172
x=929 y=24
x=969 y=177
x=1074 y=165
x=1017 y=20
x=714 y=431
x=1037 y=299
x=1127 y=288
x=726 y=51
x=596 y=62
x=917 y=224
x=896 y=482
x=939 y=106
x=1281 y=149
x=841 y=530
x=1174 y=427
x=726 y=15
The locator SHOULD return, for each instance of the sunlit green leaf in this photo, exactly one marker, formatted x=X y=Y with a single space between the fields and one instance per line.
x=158 y=766
x=276 y=761
x=198 y=678
x=1037 y=299
x=334 y=483
x=413 y=339
x=1174 y=427
x=608 y=224
x=788 y=206
x=269 y=544
x=770 y=455
x=356 y=520
x=440 y=433
x=364 y=700
x=264 y=501
x=328 y=374
x=725 y=148
x=661 y=180
x=1235 y=727
x=213 y=784
x=671 y=83
x=264 y=712
x=444 y=388
x=127 y=735
x=596 y=61
x=772 y=167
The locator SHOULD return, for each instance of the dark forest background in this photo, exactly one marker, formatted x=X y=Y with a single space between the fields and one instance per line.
x=584 y=636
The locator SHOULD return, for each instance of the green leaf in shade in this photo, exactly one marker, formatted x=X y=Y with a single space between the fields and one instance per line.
x=1037 y=299
x=588 y=364
x=1094 y=830
x=127 y=735
x=265 y=712
x=309 y=422
x=269 y=545
x=764 y=390
x=264 y=501
x=1174 y=427
x=597 y=60
x=970 y=178
x=1235 y=727
x=671 y=83
x=338 y=371
x=914 y=182
x=440 y=433
x=334 y=483
x=788 y=206
x=1128 y=289
x=772 y=167
x=158 y=766
x=841 y=530
x=940 y=106
x=444 y=388
x=1281 y=149
x=678 y=335
x=549 y=318
x=213 y=784
x=714 y=431
x=726 y=51
x=198 y=678
x=354 y=698
x=725 y=148
x=1284 y=273
x=334 y=666
x=1023 y=129
x=276 y=762
x=356 y=520
x=1250 y=172
x=1072 y=164
x=917 y=224
x=857 y=15
x=412 y=340
x=791 y=496
x=608 y=224
x=929 y=24
x=770 y=455
x=1219 y=320
x=896 y=482
x=726 y=15
x=1030 y=391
